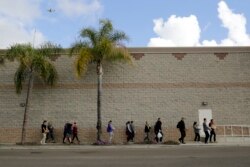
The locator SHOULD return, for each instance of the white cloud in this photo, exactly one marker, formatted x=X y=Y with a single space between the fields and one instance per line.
x=209 y=43
x=23 y=10
x=13 y=32
x=16 y=22
x=185 y=31
x=76 y=8
x=236 y=25
x=176 y=31
x=160 y=42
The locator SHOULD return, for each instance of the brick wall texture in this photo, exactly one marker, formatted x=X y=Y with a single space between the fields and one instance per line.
x=158 y=84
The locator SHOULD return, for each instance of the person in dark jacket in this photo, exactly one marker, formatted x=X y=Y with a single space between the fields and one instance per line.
x=68 y=131
x=158 y=129
x=206 y=130
x=128 y=131
x=182 y=128
x=132 y=127
x=50 y=135
x=64 y=132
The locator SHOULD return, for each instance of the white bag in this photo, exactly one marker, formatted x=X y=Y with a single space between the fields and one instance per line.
x=159 y=135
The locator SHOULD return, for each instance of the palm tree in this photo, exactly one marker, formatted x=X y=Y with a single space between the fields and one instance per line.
x=97 y=46
x=32 y=62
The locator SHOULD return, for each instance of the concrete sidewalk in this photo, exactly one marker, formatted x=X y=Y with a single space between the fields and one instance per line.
x=56 y=146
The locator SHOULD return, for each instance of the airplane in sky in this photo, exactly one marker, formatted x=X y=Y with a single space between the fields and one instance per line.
x=51 y=10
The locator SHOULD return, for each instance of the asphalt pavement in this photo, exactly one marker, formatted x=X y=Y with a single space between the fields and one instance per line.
x=132 y=155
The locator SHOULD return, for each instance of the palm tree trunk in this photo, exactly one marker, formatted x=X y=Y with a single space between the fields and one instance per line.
x=99 y=95
x=30 y=85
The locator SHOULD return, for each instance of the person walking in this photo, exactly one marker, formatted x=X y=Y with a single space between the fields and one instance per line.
x=196 y=132
x=182 y=128
x=146 y=131
x=128 y=131
x=75 y=133
x=158 y=130
x=44 y=132
x=132 y=127
x=50 y=134
x=110 y=130
x=64 y=131
x=206 y=130
x=68 y=131
x=212 y=132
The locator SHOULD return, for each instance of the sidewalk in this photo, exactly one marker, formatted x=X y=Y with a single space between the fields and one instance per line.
x=56 y=146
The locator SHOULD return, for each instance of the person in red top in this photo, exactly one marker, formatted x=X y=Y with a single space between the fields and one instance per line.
x=75 y=133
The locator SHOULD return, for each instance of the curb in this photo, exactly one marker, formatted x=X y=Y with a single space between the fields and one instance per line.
x=130 y=146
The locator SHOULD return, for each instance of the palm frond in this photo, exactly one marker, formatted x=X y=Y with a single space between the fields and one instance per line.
x=82 y=62
x=49 y=50
x=77 y=46
x=20 y=76
x=103 y=48
x=45 y=69
x=52 y=75
x=89 y=35
x=39 y=66
x=119 y=54
x=18 y=51
x=106 y=28
x=118 y=36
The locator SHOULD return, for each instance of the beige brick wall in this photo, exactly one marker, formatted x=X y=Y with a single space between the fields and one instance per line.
x=157 y=85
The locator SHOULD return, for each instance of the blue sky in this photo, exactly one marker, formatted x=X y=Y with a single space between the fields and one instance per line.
x=147 y=22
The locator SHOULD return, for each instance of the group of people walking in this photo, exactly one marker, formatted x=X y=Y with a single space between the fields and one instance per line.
x=70 y=132
x=48 y=132
x=209 y=130
x=130 y=131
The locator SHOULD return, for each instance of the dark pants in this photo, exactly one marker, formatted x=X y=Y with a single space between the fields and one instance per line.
x=206 y=136
x=157 y=138
x=212 y=134
x=183 y=135
x=147 y=136
x=75 y=136
x=129 y=136
x=64 y=137
x=50 y=135
x=67 y=136
x=197 y=137
x=132 y=136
